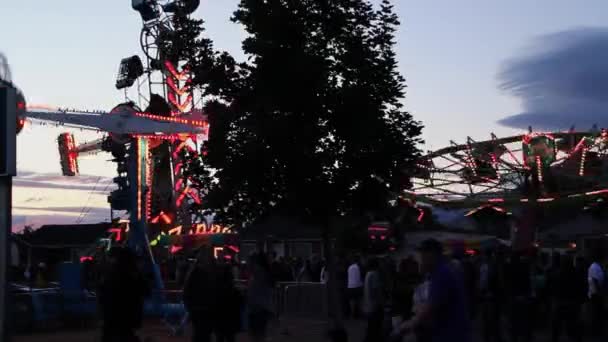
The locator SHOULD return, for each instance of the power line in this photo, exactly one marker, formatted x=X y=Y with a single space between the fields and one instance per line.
x=84 y=215
x=79 y=219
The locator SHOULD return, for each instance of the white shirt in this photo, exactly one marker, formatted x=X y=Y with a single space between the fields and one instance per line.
x=324 y=275
x=421 y=295
x=354 y=277
x=595 y=272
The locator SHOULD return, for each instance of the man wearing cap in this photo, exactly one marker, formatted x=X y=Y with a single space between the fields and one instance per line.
x=445 y=313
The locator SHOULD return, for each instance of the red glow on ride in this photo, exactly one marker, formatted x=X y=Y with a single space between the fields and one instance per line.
x=182 y=107
x=179 y=75
x=175 y=249
x=162 y=216
x=179 y=91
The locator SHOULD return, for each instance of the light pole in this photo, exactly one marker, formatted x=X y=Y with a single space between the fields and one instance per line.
x=8 y=169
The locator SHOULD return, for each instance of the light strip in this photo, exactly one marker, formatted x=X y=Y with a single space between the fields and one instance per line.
x=198 y=123
x=539 y=169
x=148 y=183
x=139 y=185
x=581 y=171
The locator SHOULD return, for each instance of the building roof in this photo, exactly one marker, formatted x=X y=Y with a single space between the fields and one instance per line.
x=75 y=235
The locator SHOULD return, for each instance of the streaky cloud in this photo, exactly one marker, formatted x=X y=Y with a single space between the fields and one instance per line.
x=561 y=79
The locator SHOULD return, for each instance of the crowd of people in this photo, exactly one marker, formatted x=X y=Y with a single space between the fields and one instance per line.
x=508 y=296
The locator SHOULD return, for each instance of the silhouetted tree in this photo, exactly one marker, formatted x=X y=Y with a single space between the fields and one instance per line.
x=312 y=125
x=315 y=126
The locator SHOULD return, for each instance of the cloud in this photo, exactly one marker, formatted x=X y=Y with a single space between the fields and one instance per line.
x=94 y=211
x=49 y=198
x=95 y=184
x=562 y=81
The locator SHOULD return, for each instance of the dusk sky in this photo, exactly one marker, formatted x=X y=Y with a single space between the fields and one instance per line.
x=66 y=53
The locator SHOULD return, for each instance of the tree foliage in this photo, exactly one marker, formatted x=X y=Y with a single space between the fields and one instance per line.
x=312 y=124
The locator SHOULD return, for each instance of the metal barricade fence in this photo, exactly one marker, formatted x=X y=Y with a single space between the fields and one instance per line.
x=300 y=299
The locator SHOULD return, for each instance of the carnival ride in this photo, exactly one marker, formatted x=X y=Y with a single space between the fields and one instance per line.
x=153 y=148
x=516 y=181
x=533 y=167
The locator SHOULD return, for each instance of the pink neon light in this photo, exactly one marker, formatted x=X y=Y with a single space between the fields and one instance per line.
x=179 y=91
x=162 y=216
x=166 y=218
x=179 y=183
x=200 y=123
x=182 y=196
x=181 y=75
x=175 y=249
x=194 y=196
x=182 y=107
x=496 y=200
x=598 y=192
x=148 y=185
x=420 y=215
x=178 y=168
x=233 y=248
x=85 y=258
x=139 y=185
x=170 y=137
x=539 y=169
x=176 y=231
x=118 y=233
x=178 y=149
x=377 y=229
x=549 y=199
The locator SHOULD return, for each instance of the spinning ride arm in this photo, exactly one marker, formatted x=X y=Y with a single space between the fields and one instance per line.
x=120 y=122
x=536 y=166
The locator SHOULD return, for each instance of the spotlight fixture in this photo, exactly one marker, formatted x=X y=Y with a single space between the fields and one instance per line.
x=182 y=6
x=130 y=69
x=148 y=9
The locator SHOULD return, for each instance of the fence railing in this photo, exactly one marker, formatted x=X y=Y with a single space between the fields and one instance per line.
x=301 y=299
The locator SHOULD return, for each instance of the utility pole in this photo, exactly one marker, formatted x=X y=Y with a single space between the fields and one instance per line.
x=8 y=169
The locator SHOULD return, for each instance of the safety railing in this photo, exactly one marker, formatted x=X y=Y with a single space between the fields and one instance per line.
x=300 y=299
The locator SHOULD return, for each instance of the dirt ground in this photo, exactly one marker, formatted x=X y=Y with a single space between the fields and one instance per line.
x=292 y=330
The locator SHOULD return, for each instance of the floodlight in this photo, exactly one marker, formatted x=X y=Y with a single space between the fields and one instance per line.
x=148 y=9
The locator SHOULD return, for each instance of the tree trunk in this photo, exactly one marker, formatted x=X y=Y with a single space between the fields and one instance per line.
x=336 y=330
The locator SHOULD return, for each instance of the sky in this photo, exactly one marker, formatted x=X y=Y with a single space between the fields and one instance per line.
x=67 y=52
